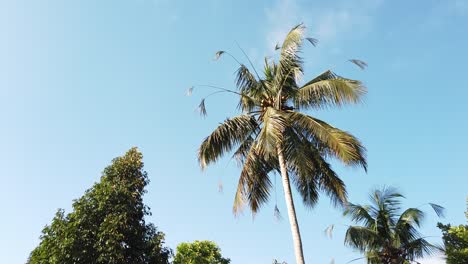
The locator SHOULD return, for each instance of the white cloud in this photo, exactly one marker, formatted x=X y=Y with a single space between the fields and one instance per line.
x=327 y=23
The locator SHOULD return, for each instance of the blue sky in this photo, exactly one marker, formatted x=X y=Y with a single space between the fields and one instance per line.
x=83 y=81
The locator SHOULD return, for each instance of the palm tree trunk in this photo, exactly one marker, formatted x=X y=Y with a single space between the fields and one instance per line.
x=291 y=210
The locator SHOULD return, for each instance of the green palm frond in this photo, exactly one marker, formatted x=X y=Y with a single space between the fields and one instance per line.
x=420 y=248
x=337 y=142
x=328 y=90
x=310 y=172
x=224 y=137
x=289 y=67
x=254 y=183
x=243 y=150
x=249 y=87
x=271 y=134
x=362 y=238
x=411 y=216
x=246 y=81
x=360 y=214
x=302 y=168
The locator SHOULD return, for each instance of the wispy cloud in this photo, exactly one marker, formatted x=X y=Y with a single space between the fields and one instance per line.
x=326 y=23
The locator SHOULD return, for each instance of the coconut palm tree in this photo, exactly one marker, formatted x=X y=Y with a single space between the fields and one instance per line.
x=272 y=134
x=387 y=237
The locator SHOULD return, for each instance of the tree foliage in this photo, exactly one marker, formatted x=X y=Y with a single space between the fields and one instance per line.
x=456 y=242
x=387 y=235
x=107 y=223
x=199 y=252
x=272 y=119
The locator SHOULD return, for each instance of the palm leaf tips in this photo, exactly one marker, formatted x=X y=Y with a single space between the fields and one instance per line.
x=361 y=64
x=439 y=210
x=189 y=91
x=218 y=54
x=329 y=231
x=202 y=108
x=329 y=89
x=313 y=41
x=228 y=134
x=277 y=46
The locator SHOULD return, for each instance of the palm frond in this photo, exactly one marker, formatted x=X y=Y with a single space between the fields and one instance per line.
x=339 y=143
x=202 y=108
x=360 y=214
x=405 y=228
x=293 y=38
x=277 y=213
x=218 y=54
x=245 y=80
x=189 y=91
x=313 y=41
x=419 y=248
x=387 y=199
x=271 y=134
x=361 y=64
x=439 y=210
x=224 y=137
x=277 y=46
x=327 y=90
x=243 y=150
x=290 y=63
x=249 y=87
x=362 y=238
x=310 y=172
x=254 y=183
x=356 y=259
x=411 y=216
x=329 y=231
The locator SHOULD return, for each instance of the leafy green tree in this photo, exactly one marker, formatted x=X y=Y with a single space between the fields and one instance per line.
x=456 y=242
x=386 y=236
x=107 y=223
x=199 y=252
x=274 y=135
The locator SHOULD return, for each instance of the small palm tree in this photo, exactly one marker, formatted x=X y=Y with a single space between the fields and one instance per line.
x=387 y=237
x=273 y=135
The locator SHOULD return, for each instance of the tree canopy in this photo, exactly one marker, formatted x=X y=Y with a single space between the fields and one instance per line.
x=107 y=223
x=199 y=252
x=456 y=242
x=388 y=235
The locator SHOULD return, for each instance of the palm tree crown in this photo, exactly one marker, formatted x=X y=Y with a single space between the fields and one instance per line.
x=387 y=237
x=272 y=120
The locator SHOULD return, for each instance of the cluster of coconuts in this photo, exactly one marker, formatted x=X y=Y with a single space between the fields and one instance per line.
x=269 y=102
